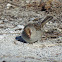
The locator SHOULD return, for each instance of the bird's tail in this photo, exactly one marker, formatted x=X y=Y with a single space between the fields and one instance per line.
x=48 y=18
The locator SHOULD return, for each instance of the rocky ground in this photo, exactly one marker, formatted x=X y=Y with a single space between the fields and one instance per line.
x=14 y=15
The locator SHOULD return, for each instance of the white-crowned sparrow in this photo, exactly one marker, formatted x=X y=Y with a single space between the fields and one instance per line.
x=33 y=31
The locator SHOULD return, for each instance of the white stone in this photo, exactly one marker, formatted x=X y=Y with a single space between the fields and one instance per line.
x=8 y=5
x=20 y=26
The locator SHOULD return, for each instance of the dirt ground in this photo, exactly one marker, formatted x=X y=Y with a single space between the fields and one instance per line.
x=14 y=15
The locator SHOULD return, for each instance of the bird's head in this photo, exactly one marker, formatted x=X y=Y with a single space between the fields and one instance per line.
x=28 y=32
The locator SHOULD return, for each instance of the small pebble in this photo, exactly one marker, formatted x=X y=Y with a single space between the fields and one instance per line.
x=20 y=26
x=8 y=5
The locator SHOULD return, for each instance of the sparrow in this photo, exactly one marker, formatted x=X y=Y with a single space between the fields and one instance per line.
x=32 y=32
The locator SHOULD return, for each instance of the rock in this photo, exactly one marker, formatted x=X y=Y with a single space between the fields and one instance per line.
x=8 y=6
x=11 y=6
x=20 y=26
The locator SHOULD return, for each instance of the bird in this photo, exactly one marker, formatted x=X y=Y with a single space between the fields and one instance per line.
x=32 y=32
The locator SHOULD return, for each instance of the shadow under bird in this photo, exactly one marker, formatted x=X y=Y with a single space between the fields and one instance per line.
x=32 y=32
